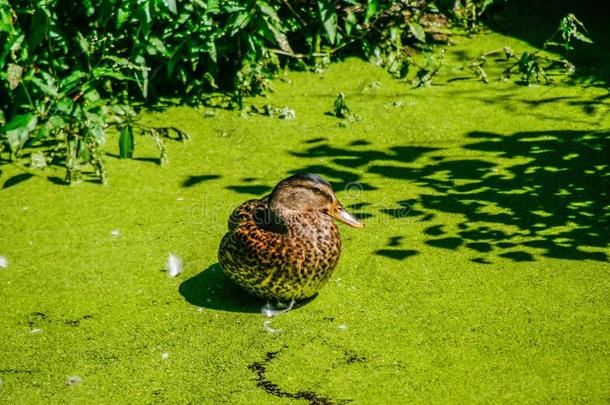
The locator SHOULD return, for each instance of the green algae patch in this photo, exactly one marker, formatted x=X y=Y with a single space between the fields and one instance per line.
x=482 y=274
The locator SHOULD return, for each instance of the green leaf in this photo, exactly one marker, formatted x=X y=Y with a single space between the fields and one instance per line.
x=101 y=72
x=417 y=31
x=350 y=22
x=18 y=130
x=328 y=16
x=212 y=6
x=581 y=37
x=98 y=133
x=122 y=16
x=371 y=10
x=171 y=5
x=13 y=75
x=47 y=87
x=268 y=10
x=82 y=42
x=238 y=22
x=126 y=142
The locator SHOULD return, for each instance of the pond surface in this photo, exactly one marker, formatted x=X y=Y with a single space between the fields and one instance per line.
x=482 y=273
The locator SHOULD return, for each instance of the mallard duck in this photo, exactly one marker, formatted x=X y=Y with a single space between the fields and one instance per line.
x=286 y=245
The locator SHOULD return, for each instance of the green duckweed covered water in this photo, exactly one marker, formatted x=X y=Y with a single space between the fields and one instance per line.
x=482 y=274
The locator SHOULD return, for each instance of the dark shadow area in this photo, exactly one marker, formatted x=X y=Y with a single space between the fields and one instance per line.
x=535 y=21
x=352 y=159
x=542 y=190
x=251 y=189
x=16 y=179
x=191 y=181
x=214 y=290
x=57 y=180
x=156 y=161
x=396 y=254
x=519 y=195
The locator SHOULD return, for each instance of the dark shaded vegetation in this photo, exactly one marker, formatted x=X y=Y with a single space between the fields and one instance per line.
x=70 y=72
x=546 y=192
x=535 y=21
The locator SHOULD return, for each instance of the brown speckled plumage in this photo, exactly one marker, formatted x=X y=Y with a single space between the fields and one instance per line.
x=286 y=245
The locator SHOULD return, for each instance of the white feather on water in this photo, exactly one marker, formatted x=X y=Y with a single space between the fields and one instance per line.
x=270 y=311
x=174 y=265
x=3 y=262
x=269 y=328
x=73 y=380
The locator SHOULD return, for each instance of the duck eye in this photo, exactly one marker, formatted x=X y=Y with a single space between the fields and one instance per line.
x=321 y=193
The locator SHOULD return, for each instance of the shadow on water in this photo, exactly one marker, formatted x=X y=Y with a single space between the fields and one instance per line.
x=16 y=179
x=535 y=21
x=191 y=181
x=518 y=196
x=214 y=290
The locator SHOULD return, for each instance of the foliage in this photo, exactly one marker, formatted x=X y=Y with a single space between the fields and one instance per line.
x=534 y=67
x=570 y=28
x=70 y=72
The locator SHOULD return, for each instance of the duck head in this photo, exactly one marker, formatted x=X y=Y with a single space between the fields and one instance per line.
x=309 y=193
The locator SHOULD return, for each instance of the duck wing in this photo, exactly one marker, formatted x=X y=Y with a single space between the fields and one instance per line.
x=246 y=211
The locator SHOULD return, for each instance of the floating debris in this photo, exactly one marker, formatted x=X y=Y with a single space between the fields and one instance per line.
x=36 y=331
x=180 y=199
x=270 y=311
x=116 y=233
x=3 y=262
x=73 y=380
x=342 y=326
x=269 y=328
x=164 y=356
x=287 y=113
x=174 y=265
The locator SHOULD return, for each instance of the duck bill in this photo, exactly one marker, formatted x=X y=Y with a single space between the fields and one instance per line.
x=342 y=215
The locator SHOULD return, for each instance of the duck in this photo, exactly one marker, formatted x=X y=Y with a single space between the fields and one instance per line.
x=286 y=245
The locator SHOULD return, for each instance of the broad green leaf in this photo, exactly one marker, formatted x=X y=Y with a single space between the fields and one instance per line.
x=98 y=133
x=46 y=84
x=18 y=130
x=268 y=10
x=73 y=79
x=238 y=22
x=328 y=16
x=171 y=5
x=55 y=123
x=350 y=22
x=82 y=42
x=417 y=31
x=371 y=10
x=126 y=142
x=212 y=6
x=122 y=16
